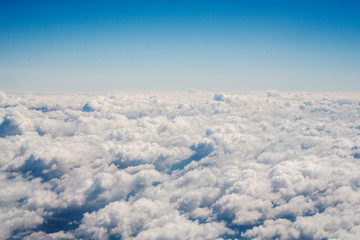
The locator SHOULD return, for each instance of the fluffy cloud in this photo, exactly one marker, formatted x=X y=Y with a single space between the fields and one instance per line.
x=180 y=165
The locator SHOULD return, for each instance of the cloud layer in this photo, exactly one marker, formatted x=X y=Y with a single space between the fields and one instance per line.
x=180 y=165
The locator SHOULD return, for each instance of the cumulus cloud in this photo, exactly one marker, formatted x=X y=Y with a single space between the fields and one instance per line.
x=180 y=165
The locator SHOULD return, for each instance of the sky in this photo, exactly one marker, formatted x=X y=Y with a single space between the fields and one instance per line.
x=179 y=45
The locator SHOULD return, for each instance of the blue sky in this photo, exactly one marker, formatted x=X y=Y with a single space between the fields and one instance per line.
x=178 y=45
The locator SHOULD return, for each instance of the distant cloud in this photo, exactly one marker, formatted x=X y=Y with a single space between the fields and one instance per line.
x=180 y=165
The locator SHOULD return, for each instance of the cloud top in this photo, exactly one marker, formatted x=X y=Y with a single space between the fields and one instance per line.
x=180 y=165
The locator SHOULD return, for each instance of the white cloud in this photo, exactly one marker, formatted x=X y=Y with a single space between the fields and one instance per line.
x=122 y=218
x=52 y=236
x=175 y=226
x=180 y=165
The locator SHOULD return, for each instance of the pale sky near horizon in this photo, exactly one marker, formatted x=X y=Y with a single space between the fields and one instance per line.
x=179 y=45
